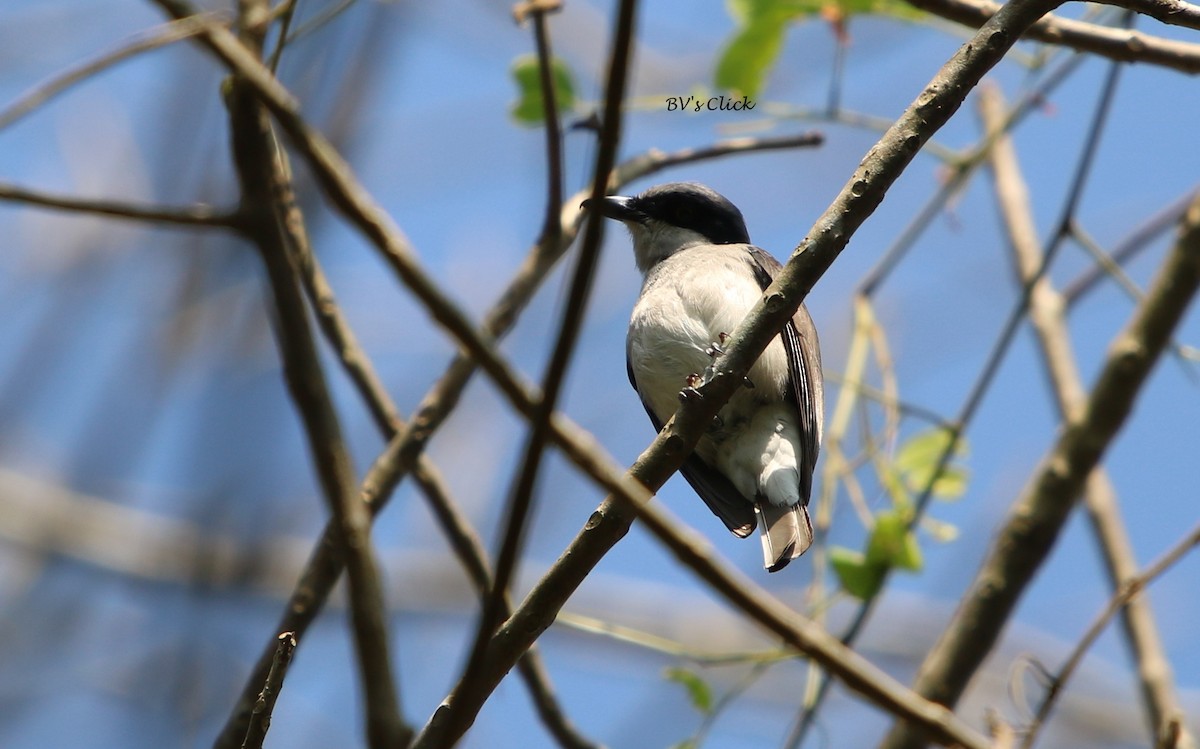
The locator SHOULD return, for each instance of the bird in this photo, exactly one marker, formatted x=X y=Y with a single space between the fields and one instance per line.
x=754 y=464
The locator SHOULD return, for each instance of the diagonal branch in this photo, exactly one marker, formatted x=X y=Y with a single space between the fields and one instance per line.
x=1040 y=512
x=1173 y=732
x=196 y=215
x=1124 y=45
x=266 y=192
x=257 y=732
x=161 y=36
x=1047 y=315
x=806 y=636
x=1171 y=12
x=404 y=450
x=520 y=503
x=880 y=168
x=458 y=531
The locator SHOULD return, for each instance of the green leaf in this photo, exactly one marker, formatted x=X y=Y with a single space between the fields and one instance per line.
x=858 y=577
x=528 y=109
x=750 y=55
x=892 y=544
x=697 y=688
x=917 y=459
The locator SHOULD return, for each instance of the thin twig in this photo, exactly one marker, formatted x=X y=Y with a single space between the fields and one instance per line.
x=284 y=13
x=1048 y=319
x=805 y=636
x=260 y=720
x=955 y=429
x=1123 y=45
x=521 y=498
x=1105 y=261
x=266 y=194
x=160 y=36
x=1129 y=592
x=1038 y=515
x=964 y=168
x=196 y=215
x=1129 y=247
x=666 y=646
x=889 y=400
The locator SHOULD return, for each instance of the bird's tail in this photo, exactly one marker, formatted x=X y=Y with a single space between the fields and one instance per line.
x=786 y=533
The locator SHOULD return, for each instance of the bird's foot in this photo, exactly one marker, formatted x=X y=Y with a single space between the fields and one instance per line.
x=715 y=349
x=692 y=390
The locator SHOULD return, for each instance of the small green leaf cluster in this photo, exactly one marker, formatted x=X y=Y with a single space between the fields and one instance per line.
x=892 y=543
x=529 y=108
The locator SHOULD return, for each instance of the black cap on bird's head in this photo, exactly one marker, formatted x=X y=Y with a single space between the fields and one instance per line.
x=672 y=217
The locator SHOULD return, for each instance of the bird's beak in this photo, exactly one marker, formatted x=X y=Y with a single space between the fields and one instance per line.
x=614 y=206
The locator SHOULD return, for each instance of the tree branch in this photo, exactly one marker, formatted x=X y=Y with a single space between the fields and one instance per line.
x=1124 y=45
x=807 y=637
x=857 y=200
x=1174 y=727
x=495 y=603
x=261 y=716
x=1171 y=12
x=197 y=215
x=265 y=194
x=1047 y=315
x=1038 y=515
x=404 y=450
x=168 y=33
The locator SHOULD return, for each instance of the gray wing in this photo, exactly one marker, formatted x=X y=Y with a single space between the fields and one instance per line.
x=718 y=492
x=804 y=365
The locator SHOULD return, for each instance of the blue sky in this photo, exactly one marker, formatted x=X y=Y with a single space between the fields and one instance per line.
x=137 y=367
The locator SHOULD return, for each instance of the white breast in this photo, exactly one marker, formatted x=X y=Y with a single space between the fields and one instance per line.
x=687 y=301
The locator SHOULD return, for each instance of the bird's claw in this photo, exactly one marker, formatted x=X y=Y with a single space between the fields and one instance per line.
x=714 y=348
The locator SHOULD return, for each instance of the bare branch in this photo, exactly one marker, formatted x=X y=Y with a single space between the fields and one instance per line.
x=1172 y=12
x=804 y=635
x=161 y=36
x=1038 y=515
x=325 y=566
x=1124 y=45
x=857 y=200
x=1047 y=315
x=197 y=215
x=1129 y=247
x=260 y=720
x=495 y=602
x=1173 y=725
x=266 y=192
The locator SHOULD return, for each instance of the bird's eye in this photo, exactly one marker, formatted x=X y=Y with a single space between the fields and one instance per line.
x=684 y=215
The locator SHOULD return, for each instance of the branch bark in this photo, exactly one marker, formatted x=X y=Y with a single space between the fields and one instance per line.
x=1039 y=513
x=404 y=451
x=1047 y=315
x=1124 y=45
x=265 y=193
x=857 y=200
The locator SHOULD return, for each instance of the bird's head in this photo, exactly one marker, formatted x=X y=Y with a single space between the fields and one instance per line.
x=672 y=217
